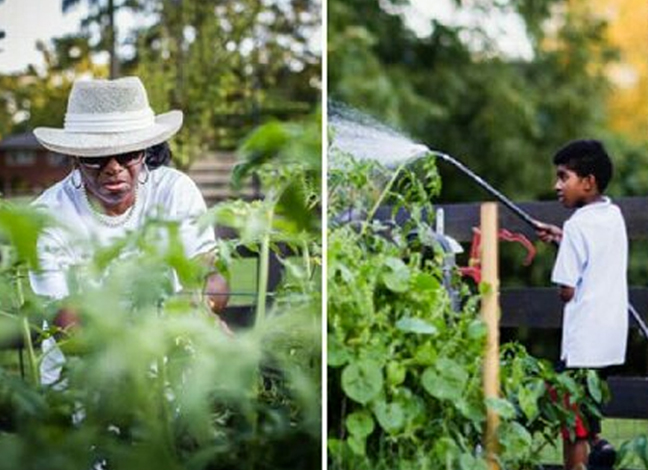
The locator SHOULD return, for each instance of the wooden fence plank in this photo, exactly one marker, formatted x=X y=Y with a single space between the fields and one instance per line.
x=628 y=398
x=461 y=218
x=540 y=307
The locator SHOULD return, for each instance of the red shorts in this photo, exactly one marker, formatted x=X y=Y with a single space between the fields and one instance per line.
x=579 y=430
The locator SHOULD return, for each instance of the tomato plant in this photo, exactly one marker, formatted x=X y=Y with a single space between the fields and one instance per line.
x=151 y=380
x=404 y=363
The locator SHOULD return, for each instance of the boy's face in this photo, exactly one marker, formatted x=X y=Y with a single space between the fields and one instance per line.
x=573 y=190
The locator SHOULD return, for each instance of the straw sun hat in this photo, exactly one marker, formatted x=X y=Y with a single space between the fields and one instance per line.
x=109 y=117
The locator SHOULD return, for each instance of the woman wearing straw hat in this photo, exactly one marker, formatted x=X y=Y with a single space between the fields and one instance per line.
x=109 y=128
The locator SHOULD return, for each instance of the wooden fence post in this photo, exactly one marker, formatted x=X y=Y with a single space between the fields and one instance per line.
x=490 y=313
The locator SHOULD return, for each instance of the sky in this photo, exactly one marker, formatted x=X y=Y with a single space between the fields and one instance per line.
x=25 y=22
x=504 y=27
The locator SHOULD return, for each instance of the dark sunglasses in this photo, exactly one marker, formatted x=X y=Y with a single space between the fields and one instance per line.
x=124 y=159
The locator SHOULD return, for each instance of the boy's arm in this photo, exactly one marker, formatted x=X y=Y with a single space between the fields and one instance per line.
x=548 y=233
x=565 y=293
x=570 y=261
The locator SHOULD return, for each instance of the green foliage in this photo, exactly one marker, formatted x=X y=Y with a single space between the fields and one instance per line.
x=228 y=66
x=39 y=97
x=454 y=91
x=633 y=450
x=151 y=380
x=405 y=367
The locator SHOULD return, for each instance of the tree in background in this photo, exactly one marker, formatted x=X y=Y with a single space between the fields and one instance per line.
x=104 y=17
x=628 y=21
x=504 y=116
x=39 y=98
x=454 y=90
x=229 y=66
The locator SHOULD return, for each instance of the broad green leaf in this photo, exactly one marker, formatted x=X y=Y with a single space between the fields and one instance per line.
x=416 y=325
x=390 y=416
x=396 y=277
x=594 y=385
x=335 y=446
x=336 y=353
x=413 y=406
x=23 y=225
x=446 y=450
x=485 y=288
x=502 y=407
x=425 y=283
x=357 y=444
x=9 y=328
x=395 y=373
x=470 y=462
x=362 y=380
x=641 y=449
x=516 y=439
x=453 y=371
x=263 y=144
x=426 y=355
x=360 y=423
x=445 y=380
x=470 y=410
x=476 y=330
x=528 y=399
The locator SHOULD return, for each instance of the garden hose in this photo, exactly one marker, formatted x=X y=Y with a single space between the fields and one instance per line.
x=518 y=212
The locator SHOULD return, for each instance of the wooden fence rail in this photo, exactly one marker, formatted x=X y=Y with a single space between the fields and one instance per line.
x=539 y=307
x=461 y=218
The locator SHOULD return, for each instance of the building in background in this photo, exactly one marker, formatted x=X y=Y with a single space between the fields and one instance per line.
x=27 y=168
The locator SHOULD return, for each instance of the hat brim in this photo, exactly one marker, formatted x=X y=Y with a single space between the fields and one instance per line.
x=100 y=145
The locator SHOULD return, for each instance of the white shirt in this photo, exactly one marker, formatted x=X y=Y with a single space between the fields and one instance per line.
x=167 y=194
x=593 y=259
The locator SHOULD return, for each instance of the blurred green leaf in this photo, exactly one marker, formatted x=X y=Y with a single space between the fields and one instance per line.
x=360 y=423
x=362 y=380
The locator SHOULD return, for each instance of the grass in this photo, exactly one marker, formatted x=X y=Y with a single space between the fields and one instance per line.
x=616 y=431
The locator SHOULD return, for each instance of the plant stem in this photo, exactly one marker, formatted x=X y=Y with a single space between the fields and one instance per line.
x=264 y=262
x=165 y=418
x=380 y=199
x=26 y=331
x=307 y=260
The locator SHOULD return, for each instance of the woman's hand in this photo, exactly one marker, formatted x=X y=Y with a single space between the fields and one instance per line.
x=548 y=233
x=67 y=321
x=216 y=292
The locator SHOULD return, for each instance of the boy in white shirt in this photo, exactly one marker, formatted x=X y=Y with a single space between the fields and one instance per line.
x=590 y=271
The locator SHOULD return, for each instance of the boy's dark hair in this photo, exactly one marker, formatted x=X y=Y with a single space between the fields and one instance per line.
x=586 y=157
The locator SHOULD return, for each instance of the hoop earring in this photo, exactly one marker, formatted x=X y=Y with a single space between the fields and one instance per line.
x=74 y=172
x=147 y=173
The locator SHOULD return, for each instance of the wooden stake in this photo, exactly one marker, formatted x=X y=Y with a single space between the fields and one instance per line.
x=490 y=312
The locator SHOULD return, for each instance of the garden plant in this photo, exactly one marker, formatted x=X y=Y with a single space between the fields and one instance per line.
x=404 y=362
x=152 y=380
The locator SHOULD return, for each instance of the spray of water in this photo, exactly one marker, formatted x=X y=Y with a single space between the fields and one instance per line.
x=367 y=139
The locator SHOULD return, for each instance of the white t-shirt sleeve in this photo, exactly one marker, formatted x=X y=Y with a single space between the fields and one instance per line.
x=571 y=259
x=53 y=257
x=187 y=205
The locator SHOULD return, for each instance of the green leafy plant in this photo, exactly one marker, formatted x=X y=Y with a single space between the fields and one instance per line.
x=151 y=380
x=633 y=451
x=404 y=362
